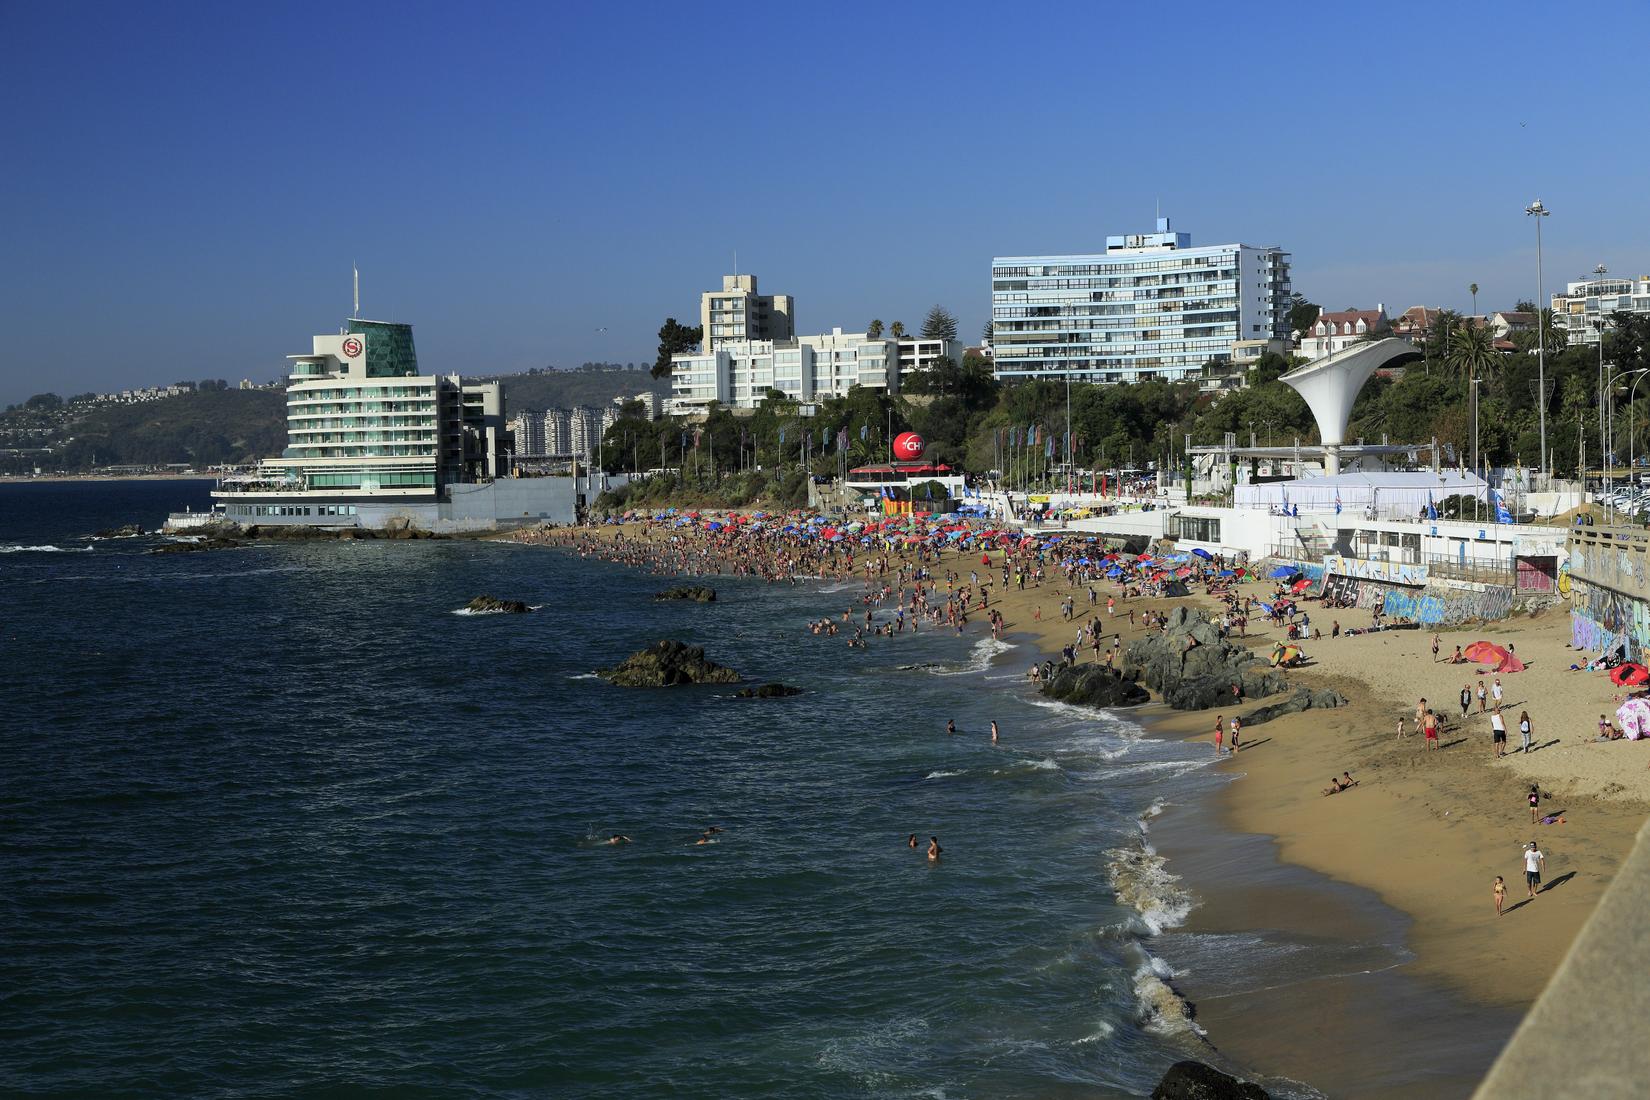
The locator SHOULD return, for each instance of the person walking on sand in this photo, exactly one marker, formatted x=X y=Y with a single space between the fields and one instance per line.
x=1535 y=802
x=1220 y=734
x=1400 y=727
x=1534 y=859
x=1524 y=730
x=1430 y=727
x=1420 y=710
x=1237 y=725
x=1466 y=699
x=1500 y=894
x=1482 y=695
x=1435 y=643
x=1498 y=733
x=1496 y=691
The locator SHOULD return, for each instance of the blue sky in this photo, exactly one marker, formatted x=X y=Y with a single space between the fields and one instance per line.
x=184 y=187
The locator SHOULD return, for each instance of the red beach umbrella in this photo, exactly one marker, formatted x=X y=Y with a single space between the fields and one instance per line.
x=1629 y=675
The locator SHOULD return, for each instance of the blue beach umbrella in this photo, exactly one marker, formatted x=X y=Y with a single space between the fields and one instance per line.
x=1226 y=573
x=1281 y=571
x=1204 y=554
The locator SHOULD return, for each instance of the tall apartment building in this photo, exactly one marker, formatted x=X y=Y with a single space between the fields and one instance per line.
x=1150 y=306
x=1584 y=308
x=810 y=368
x=738 y=314
x=527 y=427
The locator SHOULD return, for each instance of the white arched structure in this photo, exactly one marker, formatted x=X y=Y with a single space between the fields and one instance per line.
x=1331 y=384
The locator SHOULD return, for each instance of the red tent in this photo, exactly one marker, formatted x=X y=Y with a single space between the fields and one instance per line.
x=1484 y=653
x=1629 y=675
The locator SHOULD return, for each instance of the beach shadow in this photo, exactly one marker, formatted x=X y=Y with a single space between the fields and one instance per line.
x=1544 y=745
x=1247 y=745
x=1557 y=882
x=1452 y=744
x=1515 y=908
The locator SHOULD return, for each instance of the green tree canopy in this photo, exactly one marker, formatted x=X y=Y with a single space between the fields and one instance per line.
x=675 y=339
x=939 y=324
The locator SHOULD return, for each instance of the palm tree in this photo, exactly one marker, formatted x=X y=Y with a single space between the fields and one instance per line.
x=897 y=330
x=874 y=330
x=1472 y=351
x=1473 y=290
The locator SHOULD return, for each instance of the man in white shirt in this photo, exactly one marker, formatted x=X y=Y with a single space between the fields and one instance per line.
x=1533 y=860
x=1498 y=727
x=1495 y=691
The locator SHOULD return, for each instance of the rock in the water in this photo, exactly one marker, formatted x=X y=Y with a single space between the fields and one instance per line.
x=1093 y=686
x=488 y=605
x=1195 y=1081
x=696 y=592
x=666 y=664
x=1303 y=699
x=1194 y=668
x=768 y=691
x=213 y=543
x=126 y=531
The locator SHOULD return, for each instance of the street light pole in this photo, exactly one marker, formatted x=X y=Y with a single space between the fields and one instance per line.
x=1631 y=390
x=1600 y=271
x=1537 y=211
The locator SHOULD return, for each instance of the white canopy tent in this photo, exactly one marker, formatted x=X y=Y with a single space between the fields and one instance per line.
x=1387 y=493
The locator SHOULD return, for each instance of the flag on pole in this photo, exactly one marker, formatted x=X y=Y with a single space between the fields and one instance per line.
x=1502 y=515
x=1432 y=512
x=863 y=429
x=1337 y=502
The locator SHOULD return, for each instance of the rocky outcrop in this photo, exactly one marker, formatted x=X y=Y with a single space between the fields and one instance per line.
x=667 y=664
x=130 y=530
x=210 y=543
x=695 y=592
x=489 y=605
x=767 y=691
x=1093 y=686
x=1302 y=699
x=1192 y=667
x=1196 y=1081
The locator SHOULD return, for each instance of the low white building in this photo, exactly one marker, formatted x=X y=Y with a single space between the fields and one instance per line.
x=740 y=375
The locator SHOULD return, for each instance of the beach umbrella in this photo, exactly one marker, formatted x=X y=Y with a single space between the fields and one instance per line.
x=1281 y=572
x=1266 y=607
x=1285 y=653
x=1300 y=585
x=1225 y=573
x=1509 y=663
x=1204 y=554
x=1484 y=653
x=1629 y=675
x=1634 y=716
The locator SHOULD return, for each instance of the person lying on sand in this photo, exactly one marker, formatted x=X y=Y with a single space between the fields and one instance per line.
x=1335 y=786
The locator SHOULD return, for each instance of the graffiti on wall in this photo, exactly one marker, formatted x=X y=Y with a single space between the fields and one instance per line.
x=1383 y=572
x=1341 y=589
x=1601 y=618
x=1435 y=605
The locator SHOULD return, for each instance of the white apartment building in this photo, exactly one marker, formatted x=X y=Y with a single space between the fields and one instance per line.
x=739 y=375
x=1150 y=306
x=1586 y=304
x=918 y=353
x=737 y=314
x=1338 y=330
x=528 y=430
x=649 y=400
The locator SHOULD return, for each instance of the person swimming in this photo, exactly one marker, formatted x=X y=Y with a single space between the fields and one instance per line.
x=618 y=838
x=911 y=841
x=950 y=725
x=933 y=849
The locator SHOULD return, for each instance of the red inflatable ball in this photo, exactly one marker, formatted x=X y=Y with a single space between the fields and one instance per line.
x=908 y=446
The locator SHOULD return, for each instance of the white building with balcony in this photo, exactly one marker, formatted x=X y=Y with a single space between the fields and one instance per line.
x=1584 y=309
x=811 y=368
x=1151 y=305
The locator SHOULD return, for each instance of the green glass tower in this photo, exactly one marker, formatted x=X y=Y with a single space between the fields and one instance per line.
x=390 y=352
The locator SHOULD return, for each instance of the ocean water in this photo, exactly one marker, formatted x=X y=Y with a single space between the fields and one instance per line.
x=276 y=821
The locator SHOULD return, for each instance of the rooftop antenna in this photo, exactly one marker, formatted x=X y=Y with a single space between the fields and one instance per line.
x=736 y=261
x=357 y=271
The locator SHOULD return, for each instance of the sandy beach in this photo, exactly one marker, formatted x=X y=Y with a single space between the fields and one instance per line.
x=1426 y=832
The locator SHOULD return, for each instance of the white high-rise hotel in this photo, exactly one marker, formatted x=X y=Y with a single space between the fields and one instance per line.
x=1149 y=306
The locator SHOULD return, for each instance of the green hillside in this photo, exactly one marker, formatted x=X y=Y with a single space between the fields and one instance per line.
x=564 y=389
x=201 y=428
